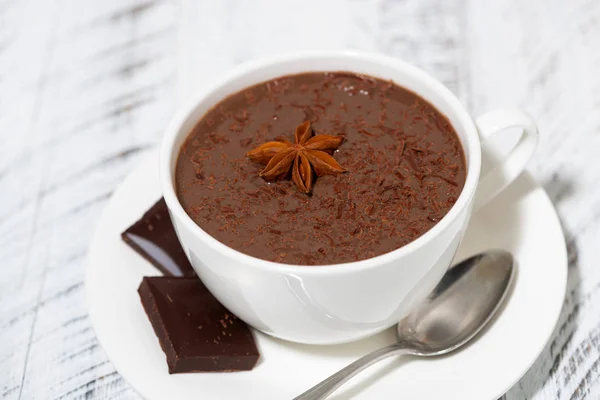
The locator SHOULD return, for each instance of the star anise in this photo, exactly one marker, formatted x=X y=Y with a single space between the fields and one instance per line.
x=306 y=154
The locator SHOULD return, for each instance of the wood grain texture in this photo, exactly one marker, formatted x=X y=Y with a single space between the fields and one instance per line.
x=86 y=87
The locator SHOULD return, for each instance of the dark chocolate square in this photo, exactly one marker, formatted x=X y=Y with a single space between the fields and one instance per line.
x=195 y=331
x=154 y=238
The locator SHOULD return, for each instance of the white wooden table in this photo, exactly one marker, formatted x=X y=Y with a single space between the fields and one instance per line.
x=86 y=87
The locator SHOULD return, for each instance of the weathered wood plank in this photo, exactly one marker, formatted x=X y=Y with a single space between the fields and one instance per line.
x=85 y=89
x=543 y=57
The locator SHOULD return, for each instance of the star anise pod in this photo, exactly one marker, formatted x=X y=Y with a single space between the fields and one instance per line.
x=306 y=154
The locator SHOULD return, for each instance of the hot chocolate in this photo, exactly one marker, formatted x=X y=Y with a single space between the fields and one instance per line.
x=320 y=168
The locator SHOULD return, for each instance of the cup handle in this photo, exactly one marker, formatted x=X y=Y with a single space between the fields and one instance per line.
x=507 y=170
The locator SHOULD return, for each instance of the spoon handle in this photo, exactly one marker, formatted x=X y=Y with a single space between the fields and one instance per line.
x=329 y=385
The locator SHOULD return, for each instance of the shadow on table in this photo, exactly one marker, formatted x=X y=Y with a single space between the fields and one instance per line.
x=547 y=363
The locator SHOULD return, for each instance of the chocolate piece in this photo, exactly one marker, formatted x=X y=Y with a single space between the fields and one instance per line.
x=405 y=169
x=195 y=331
x=154 y=238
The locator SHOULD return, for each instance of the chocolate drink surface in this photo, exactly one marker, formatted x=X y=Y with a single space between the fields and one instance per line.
x=397 y=170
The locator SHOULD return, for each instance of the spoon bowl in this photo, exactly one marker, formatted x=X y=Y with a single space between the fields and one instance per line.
x=460 y=306
x=464 y=301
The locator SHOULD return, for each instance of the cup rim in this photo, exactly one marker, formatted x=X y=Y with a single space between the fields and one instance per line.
x=188 y=108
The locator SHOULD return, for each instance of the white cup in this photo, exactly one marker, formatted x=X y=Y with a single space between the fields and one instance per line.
x=344 y=302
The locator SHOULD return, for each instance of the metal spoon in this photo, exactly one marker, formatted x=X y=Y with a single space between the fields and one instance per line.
x=464 y=301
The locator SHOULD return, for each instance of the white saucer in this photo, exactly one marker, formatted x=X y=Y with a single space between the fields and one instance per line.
x=521 y=220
